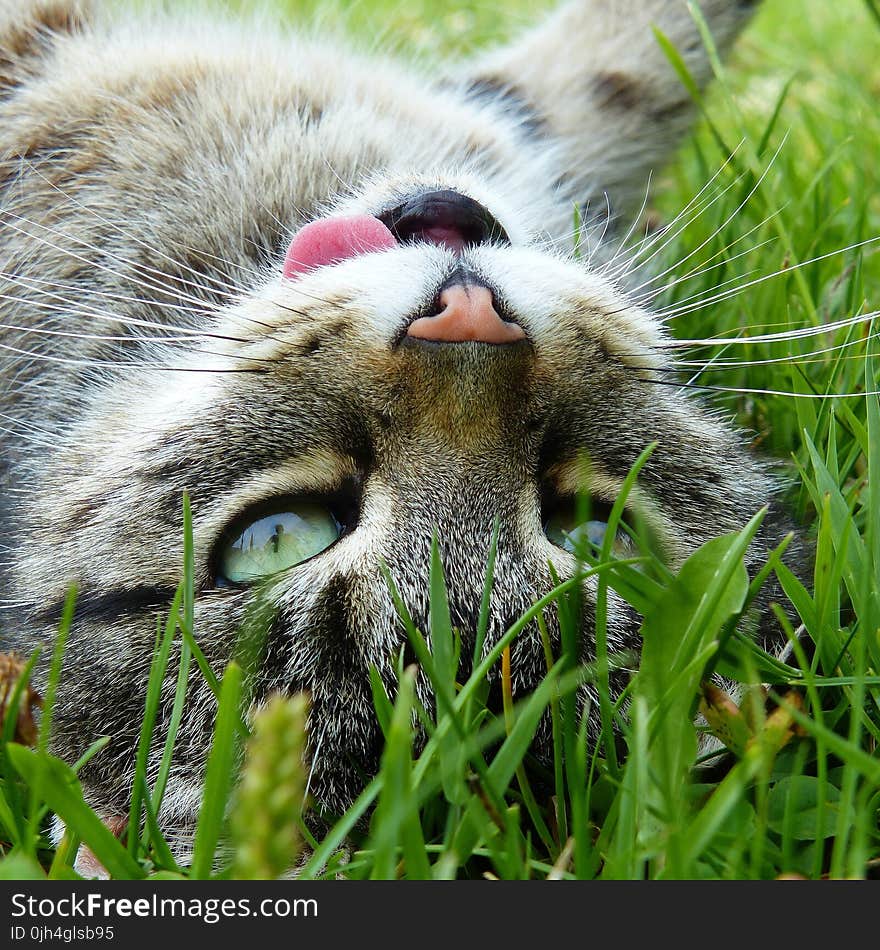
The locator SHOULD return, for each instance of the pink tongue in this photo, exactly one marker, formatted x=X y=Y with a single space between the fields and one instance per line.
x=330 y=240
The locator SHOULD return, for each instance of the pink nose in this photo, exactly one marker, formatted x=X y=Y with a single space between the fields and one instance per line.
x=468 y=314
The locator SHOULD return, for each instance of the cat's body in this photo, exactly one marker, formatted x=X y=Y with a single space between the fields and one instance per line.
x=154 y=175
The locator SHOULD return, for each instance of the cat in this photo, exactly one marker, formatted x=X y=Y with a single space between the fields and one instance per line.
x=337 y=302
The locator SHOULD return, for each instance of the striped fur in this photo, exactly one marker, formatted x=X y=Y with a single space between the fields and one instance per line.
x=154 y=171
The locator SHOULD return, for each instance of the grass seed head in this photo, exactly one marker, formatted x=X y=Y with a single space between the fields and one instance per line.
x=269 y=799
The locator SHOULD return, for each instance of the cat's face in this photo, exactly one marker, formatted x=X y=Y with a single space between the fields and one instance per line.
x=318 y=438
x=319 y=441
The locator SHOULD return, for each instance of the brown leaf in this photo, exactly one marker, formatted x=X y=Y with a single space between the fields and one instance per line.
x=11 y=668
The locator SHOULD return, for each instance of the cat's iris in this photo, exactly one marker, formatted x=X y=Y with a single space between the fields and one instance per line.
x=276 y=542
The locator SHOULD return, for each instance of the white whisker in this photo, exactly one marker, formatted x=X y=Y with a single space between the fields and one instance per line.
x=705 y=267
x=183 y=333
x=223 y=288
x=128 y=277
x=756 y=391
x=675 y=311
x=726 y=221
x=668 y=234
x=609 y=265
x=60 y=285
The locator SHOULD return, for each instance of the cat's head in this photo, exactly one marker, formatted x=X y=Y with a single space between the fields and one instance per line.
x=328 y=414
x=334 y=420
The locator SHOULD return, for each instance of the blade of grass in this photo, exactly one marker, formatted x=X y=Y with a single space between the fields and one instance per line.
x=218 y=774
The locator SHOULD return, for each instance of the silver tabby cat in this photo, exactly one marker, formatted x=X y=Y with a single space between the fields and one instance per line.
x=336 y=302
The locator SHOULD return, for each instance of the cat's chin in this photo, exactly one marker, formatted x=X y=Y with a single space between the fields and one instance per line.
x=469 y=380
x=469 y=352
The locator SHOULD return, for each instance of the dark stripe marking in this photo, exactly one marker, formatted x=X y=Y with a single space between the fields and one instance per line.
x=96 y=606
x=512 y=99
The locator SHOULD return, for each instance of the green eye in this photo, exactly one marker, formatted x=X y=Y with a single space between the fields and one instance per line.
x=277 y=541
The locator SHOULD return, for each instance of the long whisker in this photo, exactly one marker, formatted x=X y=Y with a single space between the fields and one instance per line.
x=137 y=278
x=798 y=333
x=27 y=437
x=130 y=278
x=676 y=311
x=605 y=225
x=726 y=221
x=669 y=233
x=134 y=364
x=60 y=285
x=648 y=240
x=638 y=217
x=646 y=299
x=230 y=291
x=25 y=425
x=222 y=287
x=704 y=267
x=745 y=390
x=129 y=339
x=696 y=375
x=791 y=359
x=181 y=333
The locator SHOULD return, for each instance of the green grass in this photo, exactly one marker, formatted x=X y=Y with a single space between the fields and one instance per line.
x=800 y=791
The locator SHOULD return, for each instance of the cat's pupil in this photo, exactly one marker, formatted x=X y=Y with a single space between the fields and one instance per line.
x=447 y=217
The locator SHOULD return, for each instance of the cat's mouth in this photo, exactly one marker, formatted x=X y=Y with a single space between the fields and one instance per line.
x=446 y=218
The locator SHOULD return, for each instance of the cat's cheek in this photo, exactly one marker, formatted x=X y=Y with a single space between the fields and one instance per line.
x=331 y=240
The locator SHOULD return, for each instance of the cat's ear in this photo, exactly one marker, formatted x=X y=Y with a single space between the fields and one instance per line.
x=594 y=79
x=29 y=31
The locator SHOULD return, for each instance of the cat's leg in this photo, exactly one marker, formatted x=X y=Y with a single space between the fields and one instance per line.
x=595 y=81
